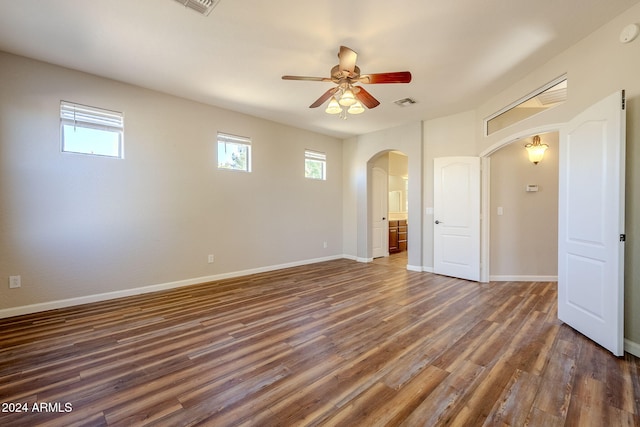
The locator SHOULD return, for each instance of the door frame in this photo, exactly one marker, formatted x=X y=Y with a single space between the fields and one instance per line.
x=485 y=185
x=414 y=197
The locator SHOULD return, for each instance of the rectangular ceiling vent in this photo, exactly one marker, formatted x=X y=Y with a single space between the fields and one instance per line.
x=405 y=102
x=201 y=6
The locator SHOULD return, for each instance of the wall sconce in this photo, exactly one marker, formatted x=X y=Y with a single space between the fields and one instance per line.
x=536 y=150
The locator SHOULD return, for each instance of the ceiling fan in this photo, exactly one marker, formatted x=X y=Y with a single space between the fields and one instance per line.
x=346 y=96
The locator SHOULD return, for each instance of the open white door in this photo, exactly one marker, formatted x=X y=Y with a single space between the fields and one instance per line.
x=456 y=211
x=379 y=208
x=591 y=223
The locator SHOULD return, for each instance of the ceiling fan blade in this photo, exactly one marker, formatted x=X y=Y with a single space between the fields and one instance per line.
x=347 y=59
x=365 y=97
x=306 y=78
x=395 y=77
x=328 y=94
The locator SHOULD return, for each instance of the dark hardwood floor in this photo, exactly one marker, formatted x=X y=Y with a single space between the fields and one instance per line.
x=335 y=343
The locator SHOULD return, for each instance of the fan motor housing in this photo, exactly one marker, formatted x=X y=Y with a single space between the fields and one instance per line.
x=337 y=75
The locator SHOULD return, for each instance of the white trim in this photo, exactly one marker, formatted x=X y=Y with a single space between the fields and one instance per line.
x=52 y=305
x=415 y=268
x=515 y=137
x=506 y=278
x=357 y=258
x=485 y=225
x=632 y=347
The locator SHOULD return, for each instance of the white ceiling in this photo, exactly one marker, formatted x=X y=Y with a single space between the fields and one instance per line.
x=459 y=52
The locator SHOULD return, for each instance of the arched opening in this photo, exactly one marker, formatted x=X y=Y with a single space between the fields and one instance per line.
x=388 y=203
x=523 y=212
x=357 y=225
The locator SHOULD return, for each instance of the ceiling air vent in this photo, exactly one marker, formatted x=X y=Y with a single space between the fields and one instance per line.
x=201 y=6
x=405 y=102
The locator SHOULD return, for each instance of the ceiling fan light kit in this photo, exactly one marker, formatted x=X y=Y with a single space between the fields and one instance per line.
x=347 y=97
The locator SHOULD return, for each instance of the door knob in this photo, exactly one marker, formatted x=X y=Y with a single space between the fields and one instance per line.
x=383 y=218
x=438 y=222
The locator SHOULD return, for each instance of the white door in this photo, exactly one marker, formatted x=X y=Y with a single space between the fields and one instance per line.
x=591 y=223
x=456 y=213
x=379 y=203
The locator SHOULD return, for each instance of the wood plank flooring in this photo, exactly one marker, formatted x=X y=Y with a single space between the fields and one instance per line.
x=337 y=343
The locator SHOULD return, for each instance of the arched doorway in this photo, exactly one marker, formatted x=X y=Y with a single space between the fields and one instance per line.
x=523 y=212
x=516 y=139
x=356 y=203
x=388 y=196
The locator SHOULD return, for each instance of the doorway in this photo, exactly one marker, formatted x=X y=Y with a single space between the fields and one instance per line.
x=389 y=203
x=591 y=163
x=523 y=212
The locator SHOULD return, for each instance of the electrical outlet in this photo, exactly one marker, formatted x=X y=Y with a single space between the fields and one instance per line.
x=324 y=245
x=210 y=259
x=14 y=282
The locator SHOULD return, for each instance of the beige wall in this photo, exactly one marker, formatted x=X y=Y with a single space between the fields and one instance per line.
x=75 y=226
x=357 y=152
x=524 y=239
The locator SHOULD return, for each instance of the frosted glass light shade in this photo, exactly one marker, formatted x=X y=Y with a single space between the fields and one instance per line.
x=356 y=108
x=348 y=98
x=536 y=150
x=333 y=107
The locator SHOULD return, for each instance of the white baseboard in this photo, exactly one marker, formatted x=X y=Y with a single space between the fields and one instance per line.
x=629 y=346
x=52 y=305
x=632 y=347
x=493 y=278
x=417 y=268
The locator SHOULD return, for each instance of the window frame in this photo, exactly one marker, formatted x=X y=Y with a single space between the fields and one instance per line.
x=505 y=110
x=315 y=156
x=93 y=119
x=230 y=139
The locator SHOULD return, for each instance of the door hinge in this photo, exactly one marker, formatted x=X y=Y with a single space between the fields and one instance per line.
x=623 y=237
x=624 y=100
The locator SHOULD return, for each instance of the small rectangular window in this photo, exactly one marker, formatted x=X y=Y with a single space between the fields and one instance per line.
x=315 y=165
x=234 y=152
x=91 y=130
x=550 y=95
